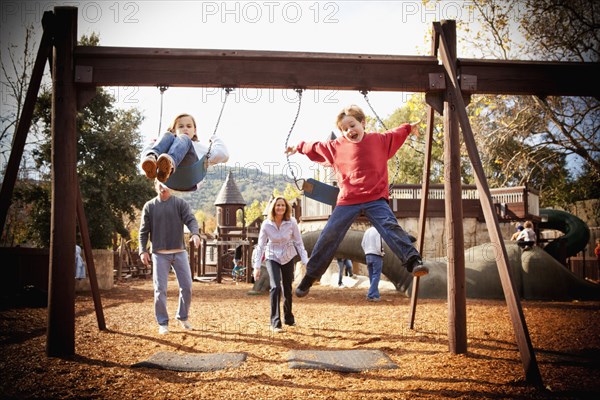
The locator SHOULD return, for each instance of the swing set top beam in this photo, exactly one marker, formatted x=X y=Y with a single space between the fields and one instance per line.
x=126 y=66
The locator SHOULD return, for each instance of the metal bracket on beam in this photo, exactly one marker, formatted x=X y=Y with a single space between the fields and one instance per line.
x=83 y=74
x=434 y=96
x=436 y=101
x=468 y=83
x=437 y=81
x=85 y=93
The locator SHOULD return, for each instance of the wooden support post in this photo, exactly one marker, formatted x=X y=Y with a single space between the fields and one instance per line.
x=455 y=246
x=61 y=290
x=120 y=262
x=422 y=212
x=220 y=250
x=89 y=260
x=532 y=372
x=203 y=258
x=18 y=144
x=424 y=191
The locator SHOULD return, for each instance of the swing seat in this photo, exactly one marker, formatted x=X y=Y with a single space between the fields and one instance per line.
x=320 y=191
x=186 y=177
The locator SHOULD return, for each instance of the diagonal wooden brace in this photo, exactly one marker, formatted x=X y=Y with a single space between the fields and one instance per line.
x=530 y=365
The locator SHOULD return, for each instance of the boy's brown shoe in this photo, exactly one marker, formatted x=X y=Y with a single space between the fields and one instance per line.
x=165 y=167
x=149 y=166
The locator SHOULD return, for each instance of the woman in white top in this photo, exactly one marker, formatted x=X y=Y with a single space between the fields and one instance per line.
x=279 y=241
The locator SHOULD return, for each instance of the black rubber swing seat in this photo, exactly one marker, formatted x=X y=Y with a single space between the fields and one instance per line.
x=320 y=191
x=186 y=177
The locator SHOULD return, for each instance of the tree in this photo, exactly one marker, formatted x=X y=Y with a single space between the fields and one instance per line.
x=255 y=210
x=547 y=143
x=209 y=222
x=108 y=148
x=407 y=165
x=16 y=76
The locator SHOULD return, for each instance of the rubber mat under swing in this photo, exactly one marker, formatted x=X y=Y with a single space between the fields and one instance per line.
x=340 y=360
x=193 y=362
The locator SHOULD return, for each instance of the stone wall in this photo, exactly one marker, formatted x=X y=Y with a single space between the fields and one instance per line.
x=104 y=264
x=475 y=233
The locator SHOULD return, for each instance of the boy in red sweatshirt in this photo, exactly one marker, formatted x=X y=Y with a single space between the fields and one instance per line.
x=360 y=162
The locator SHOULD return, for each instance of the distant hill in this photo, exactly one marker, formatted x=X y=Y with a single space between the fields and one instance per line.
x=252 y=183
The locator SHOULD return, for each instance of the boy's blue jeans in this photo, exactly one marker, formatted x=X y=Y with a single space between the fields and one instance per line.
x=342 y=217
x=161 y=265
x=374 y=266
x=180 y=148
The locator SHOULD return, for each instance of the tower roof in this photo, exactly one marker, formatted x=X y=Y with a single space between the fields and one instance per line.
x=229 y=193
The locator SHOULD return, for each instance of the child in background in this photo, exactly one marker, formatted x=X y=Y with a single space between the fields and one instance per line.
x=360 y=162
x=517 y=232
x=180 y=146
x=345 y=268
x=237 y=273
x=527 y=238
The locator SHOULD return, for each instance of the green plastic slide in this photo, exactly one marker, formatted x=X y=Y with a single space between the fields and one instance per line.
x=576 y=232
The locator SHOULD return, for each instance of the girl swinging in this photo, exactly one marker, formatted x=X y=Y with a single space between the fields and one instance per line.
x=179 y=147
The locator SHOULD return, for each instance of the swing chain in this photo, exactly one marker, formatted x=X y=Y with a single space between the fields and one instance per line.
x=162 y=89
x=365 y=95
x=227 y=91
x=299 y=91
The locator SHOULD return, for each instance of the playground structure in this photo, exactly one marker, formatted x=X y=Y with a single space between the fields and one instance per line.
x=77 y=71
x=575 y=238
x=536 y=274
x=233 y=239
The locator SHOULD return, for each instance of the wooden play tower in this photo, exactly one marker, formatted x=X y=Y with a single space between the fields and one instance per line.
x=447 y=81
x=231 y=236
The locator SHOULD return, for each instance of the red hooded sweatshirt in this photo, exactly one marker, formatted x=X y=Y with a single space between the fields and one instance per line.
x=361 y=168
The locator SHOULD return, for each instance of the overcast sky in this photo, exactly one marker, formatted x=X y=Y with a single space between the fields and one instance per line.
x=255 y=122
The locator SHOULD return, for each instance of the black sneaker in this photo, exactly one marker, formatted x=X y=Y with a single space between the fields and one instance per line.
x=415 y=266
x=304 y=286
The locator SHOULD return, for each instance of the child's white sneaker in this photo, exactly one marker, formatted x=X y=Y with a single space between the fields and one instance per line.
x=186 y=325
x=163 y=329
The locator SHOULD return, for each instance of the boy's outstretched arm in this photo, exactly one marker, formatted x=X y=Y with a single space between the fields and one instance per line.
x=414 y=128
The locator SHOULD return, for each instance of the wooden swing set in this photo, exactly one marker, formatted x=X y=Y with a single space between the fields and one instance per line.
x=78 y=70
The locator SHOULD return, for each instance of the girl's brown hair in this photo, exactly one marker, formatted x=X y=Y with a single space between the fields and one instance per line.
x=174 y=124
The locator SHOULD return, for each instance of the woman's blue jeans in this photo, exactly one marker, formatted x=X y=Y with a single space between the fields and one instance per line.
x=161 y=265
x=374 y=266
x=280 y=279
x=180 y=148
x=381 y=217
